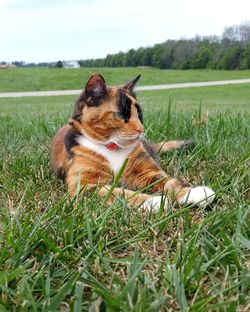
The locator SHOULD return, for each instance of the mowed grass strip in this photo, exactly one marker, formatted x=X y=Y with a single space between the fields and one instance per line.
x=59 y=254
x=213 y=99
x=38 y=79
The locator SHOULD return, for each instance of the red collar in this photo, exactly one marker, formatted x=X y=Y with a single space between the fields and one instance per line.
x=112 y=146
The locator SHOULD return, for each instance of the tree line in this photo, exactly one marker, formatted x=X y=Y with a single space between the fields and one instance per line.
x=230 y=51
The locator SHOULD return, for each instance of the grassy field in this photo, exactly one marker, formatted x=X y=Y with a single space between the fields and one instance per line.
x=58 y=254
x=29 y=79
x=213 y=99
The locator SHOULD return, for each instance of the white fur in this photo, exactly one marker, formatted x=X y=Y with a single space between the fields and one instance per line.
x=154 y=204
x=200 y=195
x=115 y=158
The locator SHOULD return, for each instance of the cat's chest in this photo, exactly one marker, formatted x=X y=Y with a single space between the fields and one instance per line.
x=115 y=158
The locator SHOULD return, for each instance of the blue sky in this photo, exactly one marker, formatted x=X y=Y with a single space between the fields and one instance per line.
x=43 y=30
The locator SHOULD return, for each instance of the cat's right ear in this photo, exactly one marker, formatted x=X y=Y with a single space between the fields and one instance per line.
x=95 y=90
x=130 y=85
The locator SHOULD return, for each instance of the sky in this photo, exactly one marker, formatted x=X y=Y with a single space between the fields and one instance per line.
x=52 y=30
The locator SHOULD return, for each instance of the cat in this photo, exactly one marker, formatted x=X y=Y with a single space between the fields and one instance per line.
x=106 y=128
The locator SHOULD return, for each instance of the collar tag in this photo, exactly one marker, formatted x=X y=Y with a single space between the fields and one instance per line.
x=112 y=146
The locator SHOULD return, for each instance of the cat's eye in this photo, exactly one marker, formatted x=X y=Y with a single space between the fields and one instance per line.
x=118 y=115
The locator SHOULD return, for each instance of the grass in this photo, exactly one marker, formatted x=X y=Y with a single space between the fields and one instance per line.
x=214 y=99
x=30 y=79
x=58 y=254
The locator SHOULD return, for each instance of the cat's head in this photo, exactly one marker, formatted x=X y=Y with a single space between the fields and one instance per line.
x=109 y=114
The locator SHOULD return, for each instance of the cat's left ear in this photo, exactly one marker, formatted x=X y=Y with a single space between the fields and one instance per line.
x=130 y=85
x=95 y=89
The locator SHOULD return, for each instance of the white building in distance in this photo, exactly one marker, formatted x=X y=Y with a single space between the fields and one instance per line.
x=71 y=64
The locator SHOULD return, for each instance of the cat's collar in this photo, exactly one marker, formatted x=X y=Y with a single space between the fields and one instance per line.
x=112 y=146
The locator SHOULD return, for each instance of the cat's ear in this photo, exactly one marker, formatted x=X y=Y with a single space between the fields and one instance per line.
x=95 y=89
x=130 y=85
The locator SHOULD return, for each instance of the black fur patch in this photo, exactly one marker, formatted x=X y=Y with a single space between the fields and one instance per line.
x=70 y=141
x=77 y=114
x=139 y=112
x=92 y=99
x=124 y=105
x=95 y=98
x=61 y=174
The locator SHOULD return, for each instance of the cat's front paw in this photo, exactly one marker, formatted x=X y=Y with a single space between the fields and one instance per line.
x=200 y=195
x=154 y=204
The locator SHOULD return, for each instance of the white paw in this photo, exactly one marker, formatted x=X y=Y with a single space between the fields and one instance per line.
x=200 y=195
x=154 y=204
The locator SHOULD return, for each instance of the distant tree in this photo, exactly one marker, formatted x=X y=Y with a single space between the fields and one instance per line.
x=43 y=64
x=146 y=57
x=203 y=57
x=184 y=53
x=131 y=59
x=237 y=33
x=157 y=56
x=244 y=30
x=231 y=58
x=230 y=51
x=245 y=64
x=30 y=65
x=117 y=60
x=230 y=34
x=19 y=63
x=162 y=54
x=59 y=64
x=98 y=62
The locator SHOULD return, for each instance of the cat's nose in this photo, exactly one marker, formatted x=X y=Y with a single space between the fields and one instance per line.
x=139 y=130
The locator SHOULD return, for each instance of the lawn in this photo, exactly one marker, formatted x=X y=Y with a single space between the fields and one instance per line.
x=30 y=79
x=58 y=254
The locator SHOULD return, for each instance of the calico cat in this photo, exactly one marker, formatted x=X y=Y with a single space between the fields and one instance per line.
x=106 y=129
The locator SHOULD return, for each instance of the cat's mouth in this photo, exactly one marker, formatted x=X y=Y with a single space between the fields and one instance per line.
x=120 y=140
x=126 y=140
